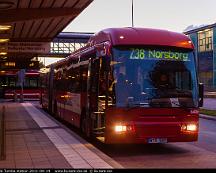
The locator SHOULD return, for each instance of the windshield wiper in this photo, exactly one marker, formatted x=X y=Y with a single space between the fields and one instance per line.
x=137 y=105
x=141 y=104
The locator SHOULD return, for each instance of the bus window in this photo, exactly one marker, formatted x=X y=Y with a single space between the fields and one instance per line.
x=75 y=81
x=83 y=73
x=94 y=80
x=11 y=81
x=33 y=82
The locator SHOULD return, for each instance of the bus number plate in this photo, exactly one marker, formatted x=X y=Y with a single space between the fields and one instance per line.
x=157 y=140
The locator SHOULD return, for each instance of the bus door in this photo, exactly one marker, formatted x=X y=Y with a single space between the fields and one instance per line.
x=51 y=106
x=97 y=92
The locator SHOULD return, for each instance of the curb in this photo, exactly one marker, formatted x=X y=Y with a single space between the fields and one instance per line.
x=207 y=117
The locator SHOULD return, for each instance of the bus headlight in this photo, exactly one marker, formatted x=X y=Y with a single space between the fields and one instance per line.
x=124 y=128
x=120 y=128
x=189 y=127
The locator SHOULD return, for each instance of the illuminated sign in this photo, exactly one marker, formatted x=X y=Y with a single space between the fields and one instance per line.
x=10 y=64
x=26 y=47
x=20 y=65
x=158 y=54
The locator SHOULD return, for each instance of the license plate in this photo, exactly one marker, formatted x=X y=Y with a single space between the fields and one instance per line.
x=157 y=140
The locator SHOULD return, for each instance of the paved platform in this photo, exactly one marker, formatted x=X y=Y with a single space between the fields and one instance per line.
x=209 y=103
x=36 y=140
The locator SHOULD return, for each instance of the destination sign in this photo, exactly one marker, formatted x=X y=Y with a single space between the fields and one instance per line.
x=27 y=47
x=136 y=53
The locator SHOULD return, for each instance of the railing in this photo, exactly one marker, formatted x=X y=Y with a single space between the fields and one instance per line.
x=2 y=134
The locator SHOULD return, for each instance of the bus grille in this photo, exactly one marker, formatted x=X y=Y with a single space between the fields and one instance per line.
x=146 y=131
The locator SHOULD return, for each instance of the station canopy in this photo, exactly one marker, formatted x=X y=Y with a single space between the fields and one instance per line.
x=29 y=23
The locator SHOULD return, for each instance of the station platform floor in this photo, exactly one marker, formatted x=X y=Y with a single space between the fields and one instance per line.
x=34 y=139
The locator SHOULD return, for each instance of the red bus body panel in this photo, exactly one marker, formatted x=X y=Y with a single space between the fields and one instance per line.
x=69 y=110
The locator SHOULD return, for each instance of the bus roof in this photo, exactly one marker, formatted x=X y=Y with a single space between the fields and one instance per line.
x=142 y=36
x=132 y=36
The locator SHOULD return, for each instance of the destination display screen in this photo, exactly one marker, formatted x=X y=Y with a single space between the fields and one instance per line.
x=136 y=53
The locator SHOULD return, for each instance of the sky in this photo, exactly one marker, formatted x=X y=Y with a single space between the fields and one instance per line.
x=173 y=15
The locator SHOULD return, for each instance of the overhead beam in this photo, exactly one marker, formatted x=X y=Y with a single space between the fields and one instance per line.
x=25 y=14
x=31 y=39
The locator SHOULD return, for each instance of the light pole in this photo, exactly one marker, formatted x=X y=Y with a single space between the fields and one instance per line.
x=132 y=13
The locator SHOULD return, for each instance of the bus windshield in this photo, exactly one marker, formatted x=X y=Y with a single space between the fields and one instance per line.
x=146 y=77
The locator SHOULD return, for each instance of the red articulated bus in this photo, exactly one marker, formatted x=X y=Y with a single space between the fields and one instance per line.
x=10 y=85
x=128 y=85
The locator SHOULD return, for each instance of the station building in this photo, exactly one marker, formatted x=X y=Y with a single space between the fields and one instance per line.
x=204 y=40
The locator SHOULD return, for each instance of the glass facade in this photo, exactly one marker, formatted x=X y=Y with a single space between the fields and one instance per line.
x=204 y=41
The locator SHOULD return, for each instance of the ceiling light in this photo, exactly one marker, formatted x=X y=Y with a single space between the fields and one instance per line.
x=3 y=53
x=5 y=27
x=3 y=40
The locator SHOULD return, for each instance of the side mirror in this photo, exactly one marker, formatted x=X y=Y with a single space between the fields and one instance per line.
x=201 y=94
